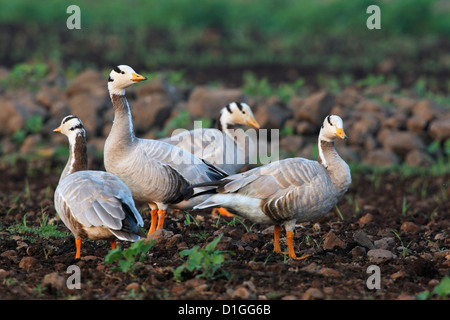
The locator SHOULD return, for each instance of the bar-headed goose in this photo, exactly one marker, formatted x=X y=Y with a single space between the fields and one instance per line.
x=227 y=147
x=156 y=172
x=92 y=204
x=288 y=191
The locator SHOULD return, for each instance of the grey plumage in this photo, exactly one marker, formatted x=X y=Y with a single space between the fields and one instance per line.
x=226 y=147
x=93 y=204
x=290 y=190
x=156 y=172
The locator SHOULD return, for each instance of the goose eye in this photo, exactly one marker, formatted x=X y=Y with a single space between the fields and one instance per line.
x=243 y=112
x=123 y=72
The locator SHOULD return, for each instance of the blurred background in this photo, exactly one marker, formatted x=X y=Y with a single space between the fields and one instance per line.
x=218 y=40
x=292 y=61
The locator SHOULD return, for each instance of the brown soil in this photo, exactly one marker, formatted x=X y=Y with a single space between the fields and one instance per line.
x=255 y=272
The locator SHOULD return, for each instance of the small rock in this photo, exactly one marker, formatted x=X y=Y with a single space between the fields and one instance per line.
x=292 y=143
x=409 y=227
x=315 y=107
x=313 y=294
x=400 y=142
x=329 y=272
x=358 y=251
x=173 y=241
x=440 y=128
x=396 y=121
x=9 y=253
x=28 y=263
x=151 y=111
x=378 y=255
x=349 y=97
x=405 y=296
x=380 y=157
x=4 y=274
x=133 y=286
x=405 y=104
x=384 y=243
x=398 y=275
x=53 y=282
x=417 y=158
x=365 y=219
x=250 y=237
x=159 y=234
x=207 y=103
x=433 y=282
x=331 y=241
x=416 y=124
x=362 y=239
x=89 y=258
x=240 y=293
x=272 y=114
x=289 y=297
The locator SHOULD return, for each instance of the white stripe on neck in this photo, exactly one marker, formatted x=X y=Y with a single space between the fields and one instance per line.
x=321 y=155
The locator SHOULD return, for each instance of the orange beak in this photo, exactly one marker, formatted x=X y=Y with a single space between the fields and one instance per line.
x=58 y=130
x=138 y=77
x=253 y=123
x=341 y=134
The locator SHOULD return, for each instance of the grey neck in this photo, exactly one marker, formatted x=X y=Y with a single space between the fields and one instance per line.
x=338 y=170
x=122 y=128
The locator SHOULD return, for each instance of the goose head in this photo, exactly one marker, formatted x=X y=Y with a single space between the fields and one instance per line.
x=71 y=126
x=332 y=127
x=121 y=77
x=238 y=113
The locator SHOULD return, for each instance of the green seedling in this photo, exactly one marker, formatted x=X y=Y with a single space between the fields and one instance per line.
x=187 y=219
x=442 y=290
x=405 y=206
x=44 y=230
x=433 y=213
x=435 y=245
x=204 y=263
x=247 y=229
x=404 y=248
x=339 y=213
x=126 y=259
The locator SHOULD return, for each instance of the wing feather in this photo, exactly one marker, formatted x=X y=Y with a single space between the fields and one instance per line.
x=95 y=199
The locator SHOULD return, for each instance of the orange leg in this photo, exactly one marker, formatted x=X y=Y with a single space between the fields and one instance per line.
x=276 y=239
x=154 y=214
x=290 y=242
x=113 y=244
x=223 y=212
x=161 y=215
x=78 y=245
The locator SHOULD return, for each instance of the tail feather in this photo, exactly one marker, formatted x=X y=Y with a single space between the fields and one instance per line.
x=189 y=192
x=214 y=173
x=207 y=204
x=123 y=235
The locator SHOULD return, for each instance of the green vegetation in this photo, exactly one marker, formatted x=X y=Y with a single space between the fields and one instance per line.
x=204 y=263
x=44 y=230
x=404 y=248
x=253 y=86
x=25 y=75
x=32 y=126
x=182 y=120
x=189 y=219
x=233 y=223
x=330 y=35
x=126 y=259
x=442 y=290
